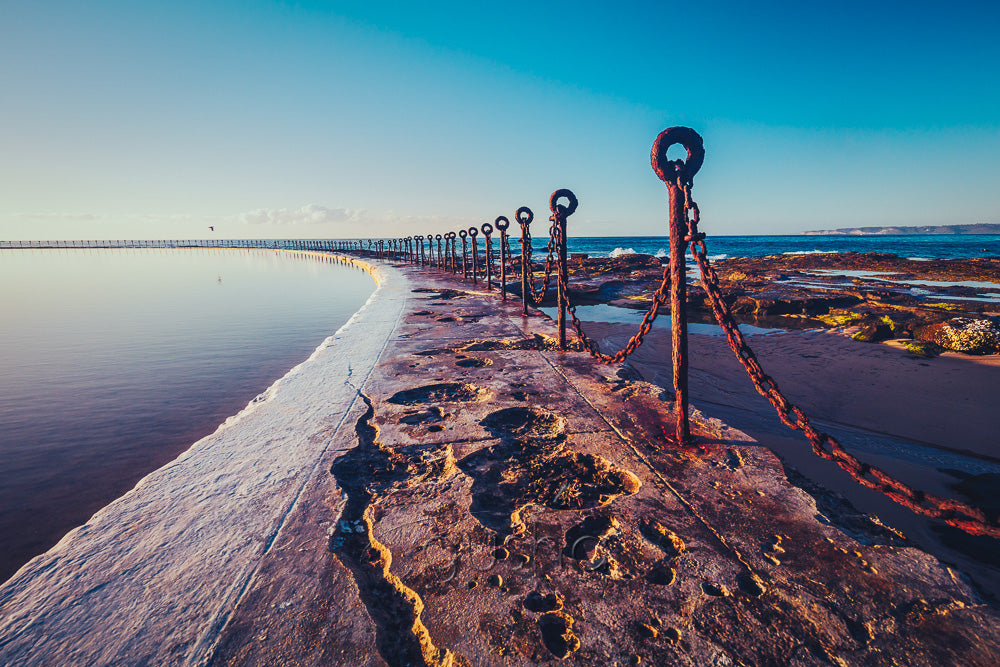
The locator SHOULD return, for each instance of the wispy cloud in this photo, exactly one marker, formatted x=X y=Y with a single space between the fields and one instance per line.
x=309 y=220
x=57 y=216
x=311 y=214
x=351 y=220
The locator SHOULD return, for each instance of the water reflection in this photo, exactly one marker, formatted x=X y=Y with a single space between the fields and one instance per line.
x=115 y=361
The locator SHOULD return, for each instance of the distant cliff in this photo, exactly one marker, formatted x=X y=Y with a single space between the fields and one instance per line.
x=982 y=228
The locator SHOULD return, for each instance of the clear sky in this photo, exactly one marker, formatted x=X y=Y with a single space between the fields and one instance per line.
x=336 y=119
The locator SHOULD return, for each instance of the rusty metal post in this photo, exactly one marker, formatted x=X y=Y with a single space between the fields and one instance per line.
x=502 y=224
x=487 y=232
x=473 y=233
x=677 y=174
x=464 y=235
x=559 y=215
x=524 y=216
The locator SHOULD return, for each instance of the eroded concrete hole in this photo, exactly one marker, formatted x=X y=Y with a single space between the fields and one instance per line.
x=442 y=392
x=430 y=416
x=604 y=545
x=557 y=633
x=538 y=603
x=532 y=465
x=582 y=539
x=474 y=363
x=522 y=423
x=441 y=293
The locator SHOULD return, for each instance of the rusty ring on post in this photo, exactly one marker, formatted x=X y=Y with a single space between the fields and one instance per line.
x=462 y=233
x=438 y=237
x=502 y=223
x=419 y=237
x=667 y=169
x=473 y=232
x=450 y=235
x=487 y=228
x=524 y=216
x=556 y=207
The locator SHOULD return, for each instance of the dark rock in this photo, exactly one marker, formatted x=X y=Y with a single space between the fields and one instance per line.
x=873 y=333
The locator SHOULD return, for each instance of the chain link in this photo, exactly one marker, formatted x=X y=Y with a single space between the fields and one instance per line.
x=538 y=295
x=659 y=299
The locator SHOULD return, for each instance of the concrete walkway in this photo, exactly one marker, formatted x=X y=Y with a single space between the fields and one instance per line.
x=437 y=485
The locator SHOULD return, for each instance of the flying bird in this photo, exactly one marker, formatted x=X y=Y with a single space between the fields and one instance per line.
x=211 y=227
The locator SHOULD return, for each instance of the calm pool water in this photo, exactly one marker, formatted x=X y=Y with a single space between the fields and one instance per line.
x=112 y=362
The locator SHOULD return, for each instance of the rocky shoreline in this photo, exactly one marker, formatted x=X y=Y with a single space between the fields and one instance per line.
x=875 y=296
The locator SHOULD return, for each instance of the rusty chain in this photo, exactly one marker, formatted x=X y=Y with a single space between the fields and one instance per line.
x=538 y=295
x=953 y=512
x=659 y=299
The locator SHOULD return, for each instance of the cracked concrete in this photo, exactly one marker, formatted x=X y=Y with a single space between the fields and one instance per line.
x=472 y=496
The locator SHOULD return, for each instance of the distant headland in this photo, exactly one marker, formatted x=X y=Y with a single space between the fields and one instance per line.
x=982 y=228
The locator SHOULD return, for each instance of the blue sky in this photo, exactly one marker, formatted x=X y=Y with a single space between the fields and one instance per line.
x=157 y=119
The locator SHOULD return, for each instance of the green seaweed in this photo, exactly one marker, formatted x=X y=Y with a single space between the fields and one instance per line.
x=922 y=348
x=838 y=319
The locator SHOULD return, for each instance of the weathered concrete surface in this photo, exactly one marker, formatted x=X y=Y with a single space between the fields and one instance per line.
x=479 y=498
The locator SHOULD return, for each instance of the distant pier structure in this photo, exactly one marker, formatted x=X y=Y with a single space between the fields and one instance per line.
x=273 y=244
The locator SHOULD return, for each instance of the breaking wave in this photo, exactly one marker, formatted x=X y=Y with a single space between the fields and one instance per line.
x=812 y=252
x=618 y=252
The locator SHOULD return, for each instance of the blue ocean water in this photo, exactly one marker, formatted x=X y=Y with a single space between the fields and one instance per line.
x=938 y=246
x=115 y=361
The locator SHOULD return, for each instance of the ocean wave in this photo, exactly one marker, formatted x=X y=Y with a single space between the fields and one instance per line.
x=812 y=252
x=717 y=257
x=661 y=253
x=618 y=252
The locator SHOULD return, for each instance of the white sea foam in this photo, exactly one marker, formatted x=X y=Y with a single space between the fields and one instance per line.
x=661 y=253
x=618 y=252
x=811 y=252
x=718 y=257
